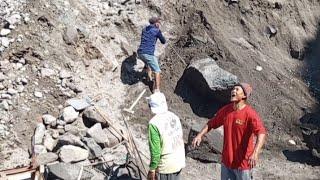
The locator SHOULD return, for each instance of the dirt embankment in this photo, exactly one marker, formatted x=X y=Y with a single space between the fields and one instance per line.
x=92 y=39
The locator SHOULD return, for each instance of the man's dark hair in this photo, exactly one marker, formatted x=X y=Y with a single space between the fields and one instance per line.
x=154 y=20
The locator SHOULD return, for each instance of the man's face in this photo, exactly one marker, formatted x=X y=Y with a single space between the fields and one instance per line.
x=237 y=94
x=157 y=24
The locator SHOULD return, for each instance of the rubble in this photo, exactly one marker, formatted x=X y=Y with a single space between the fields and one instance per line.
x=46 y=158
x=98 y=134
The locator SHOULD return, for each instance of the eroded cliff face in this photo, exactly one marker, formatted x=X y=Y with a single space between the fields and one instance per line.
x=52 y=51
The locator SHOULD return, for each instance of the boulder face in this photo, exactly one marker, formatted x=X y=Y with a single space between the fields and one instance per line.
x=204 y=84
x=216 y=78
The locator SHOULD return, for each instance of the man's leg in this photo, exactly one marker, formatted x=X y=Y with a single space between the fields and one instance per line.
x=156 y=85
x=226 y=173
x=243 y=174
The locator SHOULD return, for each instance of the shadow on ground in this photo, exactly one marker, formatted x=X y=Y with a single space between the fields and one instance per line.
x=301 y=156
x=310 y=122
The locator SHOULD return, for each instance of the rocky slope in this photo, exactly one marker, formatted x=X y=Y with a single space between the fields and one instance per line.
x=52 y=51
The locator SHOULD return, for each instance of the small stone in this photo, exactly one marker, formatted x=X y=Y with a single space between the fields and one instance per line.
x=39 y=149
x=69 y=153
x=20 y=88
x=258 y=68
x=46 y=158
x=5 y=42
x=5 y=32
x=94 y=148
x=6 y=96
x=46 y=72
x=271 y=30
x=49 y=142
x=292 y=142
x=39 y=133
x=69 y=114
x=64 y=74
x=19 y=65
x=91 y=114
x=12 y=91
x=61 y=122
x=24 y=81
x=38 y=94
x=72 y=129
x=13 y=19
x=78 y=104
x=98 y=134
x=4 y=105
x=70 y=139
x=48 y=119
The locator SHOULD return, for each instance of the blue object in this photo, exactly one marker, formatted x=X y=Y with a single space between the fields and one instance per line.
x=149 y=37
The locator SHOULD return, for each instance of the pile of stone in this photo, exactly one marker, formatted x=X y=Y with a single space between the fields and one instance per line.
x=78 y=137
x=12 y=17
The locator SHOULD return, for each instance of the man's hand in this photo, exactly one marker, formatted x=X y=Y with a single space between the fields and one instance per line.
x=197 y=140
x=253 y=159
x=152 y=175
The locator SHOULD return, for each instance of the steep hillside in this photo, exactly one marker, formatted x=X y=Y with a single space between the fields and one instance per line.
x=57 y=50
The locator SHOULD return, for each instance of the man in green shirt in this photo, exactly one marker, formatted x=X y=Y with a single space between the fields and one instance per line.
x=165 y=141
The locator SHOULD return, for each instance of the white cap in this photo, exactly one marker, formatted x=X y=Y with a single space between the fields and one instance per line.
x=157 y=102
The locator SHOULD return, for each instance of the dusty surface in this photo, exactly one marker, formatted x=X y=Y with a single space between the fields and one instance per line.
x=235 y=35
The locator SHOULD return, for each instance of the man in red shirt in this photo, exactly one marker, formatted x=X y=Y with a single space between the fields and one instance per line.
x=241 y=124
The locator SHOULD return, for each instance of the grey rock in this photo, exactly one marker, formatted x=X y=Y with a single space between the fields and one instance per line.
x=65 y=170
x=48 y=119
x=69 y=114
x=2 y=77
x=71 y=129
x=65 y=74
x=46 y=72
x=39 y=149
x=24 y=81
x=217 y=78
x=71 y=171
x=6 y=96
x=78 y=104
x=4 y=105
x=112 y=137
x=39 y=133
x=69 y=153
x=91 y=114
x=70 y=35
x=38 y=94
x=20 y=88
x=12 y=91
x=49 y=142
x=61 y=122
x=5 y=32
x=205 y=77
x=70 y=139
x=74 y=88
x=5 y=41
x=98 y=134
x=118 y=155
x=94 y=148
x=46 y=158
x=271 y=30
x=13 y=19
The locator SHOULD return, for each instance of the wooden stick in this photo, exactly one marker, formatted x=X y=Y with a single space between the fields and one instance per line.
x=80 y=173
x=135 y=102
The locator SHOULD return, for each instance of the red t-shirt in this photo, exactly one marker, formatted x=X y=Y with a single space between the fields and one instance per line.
x=239 y=126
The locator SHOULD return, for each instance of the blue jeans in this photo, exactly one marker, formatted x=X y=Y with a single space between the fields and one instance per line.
x=234 y=174
x=151 y=61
